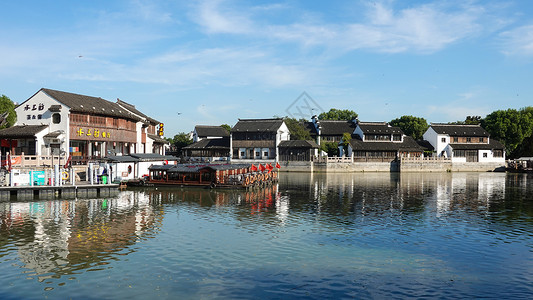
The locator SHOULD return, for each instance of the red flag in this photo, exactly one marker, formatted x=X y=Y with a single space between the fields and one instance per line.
x=9 y=162
x=278 y=166
x=254 y=168
x=261 y=167
x=269 y=167
x=67 y=164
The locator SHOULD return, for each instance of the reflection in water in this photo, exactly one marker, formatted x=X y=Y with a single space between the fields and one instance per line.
x=361 y=193
x=55 y=238
x=363 y=235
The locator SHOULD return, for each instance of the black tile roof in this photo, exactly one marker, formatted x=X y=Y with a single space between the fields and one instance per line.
x=257 y=125
x=310 y=126
x=157 y=139
x=193 y=168
x=379 y=128
x=254 y=144
x=88 y=104
x=132 y=109
x=152 y=156
x=426 y=145
x=218 y=143
x=492 y=145
x=22 y=131
x=337 y=128
x=213 y=131
x=298 y=144
x=53 y=134
x=408 y=144
x=460 y=130
x=122 y=158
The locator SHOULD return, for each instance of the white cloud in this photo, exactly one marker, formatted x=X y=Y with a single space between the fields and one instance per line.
x=518 y=41
x=217 y=18
x=423 y=28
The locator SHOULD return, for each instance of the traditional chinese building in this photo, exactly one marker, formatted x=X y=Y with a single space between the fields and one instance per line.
x=56 y=122
x=258 y=139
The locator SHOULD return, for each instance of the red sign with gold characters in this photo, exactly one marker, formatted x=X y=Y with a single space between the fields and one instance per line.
x=160 y=132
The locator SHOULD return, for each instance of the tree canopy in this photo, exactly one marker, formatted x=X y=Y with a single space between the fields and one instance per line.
x=6 y=105
x=297 y=129
x=338 y=114
x=226 y=126
x=412 y=126
x=181 y=140
x=511 y=127
x=331 y=148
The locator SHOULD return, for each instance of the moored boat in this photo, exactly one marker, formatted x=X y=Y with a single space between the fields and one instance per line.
x=211 y=175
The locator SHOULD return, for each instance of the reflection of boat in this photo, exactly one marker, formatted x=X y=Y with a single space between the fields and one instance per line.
x=212 y=175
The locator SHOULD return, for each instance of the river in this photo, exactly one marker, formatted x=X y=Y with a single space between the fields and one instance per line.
x=363 y=235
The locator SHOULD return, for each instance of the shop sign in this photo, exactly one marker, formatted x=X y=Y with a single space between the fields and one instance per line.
x=93 y=132
x=34 y=108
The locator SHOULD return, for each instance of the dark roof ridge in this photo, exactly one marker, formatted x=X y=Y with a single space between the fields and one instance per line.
x=446 y=124
x=266 y=119
x=125 y=103
x=374 y=123
x=52 y=90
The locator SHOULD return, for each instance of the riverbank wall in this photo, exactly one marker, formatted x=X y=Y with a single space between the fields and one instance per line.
x=395 y=166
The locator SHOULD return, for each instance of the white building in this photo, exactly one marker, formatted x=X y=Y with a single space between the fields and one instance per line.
x=464 y=143
x=258 y=139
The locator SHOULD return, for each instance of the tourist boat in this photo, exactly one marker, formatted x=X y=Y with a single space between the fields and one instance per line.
x=211 y=175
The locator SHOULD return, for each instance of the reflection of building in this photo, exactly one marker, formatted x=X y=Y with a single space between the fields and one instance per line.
x=69 y=235
x=54 y=122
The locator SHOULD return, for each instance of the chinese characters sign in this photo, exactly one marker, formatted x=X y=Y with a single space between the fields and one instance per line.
x=34 y=111
x=93 y=132
x=160 y=132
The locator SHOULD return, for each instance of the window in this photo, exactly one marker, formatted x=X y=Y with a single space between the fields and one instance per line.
x=468 y=140
x=56 y=118
x=459 y=153
x=257 y=154
x=443 y=140
x=485 y=154
x=455 y=139
x=266 y=153
x=243 y=154
x=497 y=153
x=396 y=137
x=481 y=140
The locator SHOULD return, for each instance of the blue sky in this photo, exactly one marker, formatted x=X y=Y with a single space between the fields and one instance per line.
x=214 y=61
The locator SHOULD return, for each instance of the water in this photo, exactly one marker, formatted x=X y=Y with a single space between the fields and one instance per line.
x=318 y=236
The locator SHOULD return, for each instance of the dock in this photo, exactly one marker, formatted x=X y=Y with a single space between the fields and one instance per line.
x=45 y=192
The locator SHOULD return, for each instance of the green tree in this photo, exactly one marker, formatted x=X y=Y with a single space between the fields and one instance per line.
x=7 y=107
x=511 y=127
x=226 y=126
x=412 y=126
x=470 y=120
x=346 y=138
x=338 y=114
x=473 y=120
x=331 y=148
x=297 y=129
x=181 y=140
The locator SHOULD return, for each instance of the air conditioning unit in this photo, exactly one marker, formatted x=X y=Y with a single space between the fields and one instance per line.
x=56 y=141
